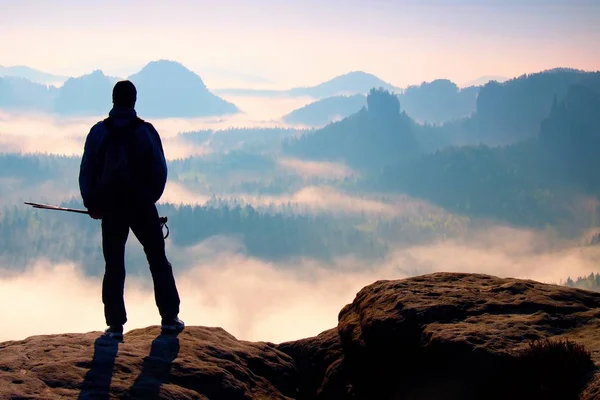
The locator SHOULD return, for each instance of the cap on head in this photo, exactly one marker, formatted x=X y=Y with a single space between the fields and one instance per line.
x=124 y=94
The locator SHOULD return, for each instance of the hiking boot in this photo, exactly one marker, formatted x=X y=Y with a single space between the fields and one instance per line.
x=172 y=325
x=114 y=332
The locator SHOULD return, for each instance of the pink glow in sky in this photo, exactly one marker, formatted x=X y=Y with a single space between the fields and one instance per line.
x=305 y=42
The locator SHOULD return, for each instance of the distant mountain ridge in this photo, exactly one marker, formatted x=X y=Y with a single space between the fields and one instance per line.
x=512 y=110
x=166 y=89
x=500 y=111
x=169 y=89
x=85 y=95
x=324 y=111
x=348 y=84
x=182 y=94
x=482 y=80
x=439 y=101
x=433 y=102
x=20 y=94
x=32 y=74
x=351 y=83
x=495 y=114
x=377 y=135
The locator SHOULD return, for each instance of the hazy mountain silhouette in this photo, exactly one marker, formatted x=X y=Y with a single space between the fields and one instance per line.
x=377 y=135
x=22 y=94
x=90 y=94
x=168 y=89
x=571 y=136
x=165 y=89
x=437 y=102
x=482 y=80
x=324 y=111
x=512 y=111
x=548 y=126
x=520 y=182
x=350 y=83
x=34 y=75
x=355 y=82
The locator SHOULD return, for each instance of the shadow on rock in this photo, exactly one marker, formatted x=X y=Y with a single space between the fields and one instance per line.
x=96 y=384
x=156 y=368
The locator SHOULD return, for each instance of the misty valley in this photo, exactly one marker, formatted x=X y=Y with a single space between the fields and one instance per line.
x=385 y=177
x=396 y=185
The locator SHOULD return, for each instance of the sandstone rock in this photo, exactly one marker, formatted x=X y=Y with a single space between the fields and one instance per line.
x=319 y=360
x=451 y=335
x=202 y=363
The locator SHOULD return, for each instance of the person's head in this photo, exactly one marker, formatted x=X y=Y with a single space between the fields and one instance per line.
x=124 y=94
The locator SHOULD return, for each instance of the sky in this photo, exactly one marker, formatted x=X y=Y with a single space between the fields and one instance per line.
x=290 y=43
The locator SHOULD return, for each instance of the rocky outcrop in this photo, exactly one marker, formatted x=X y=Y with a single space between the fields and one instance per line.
x=468 y=334
x=319 y=364
x=439 y=336
x=201 y=363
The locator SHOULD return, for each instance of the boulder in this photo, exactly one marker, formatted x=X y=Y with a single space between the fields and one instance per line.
x=468 y=336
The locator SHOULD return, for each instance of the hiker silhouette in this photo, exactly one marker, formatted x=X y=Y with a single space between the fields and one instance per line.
x=123 y=174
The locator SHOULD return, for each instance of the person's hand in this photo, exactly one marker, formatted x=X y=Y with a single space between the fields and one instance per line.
x=95 y=214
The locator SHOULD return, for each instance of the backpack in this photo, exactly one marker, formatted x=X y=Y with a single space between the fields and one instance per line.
x=118 y=172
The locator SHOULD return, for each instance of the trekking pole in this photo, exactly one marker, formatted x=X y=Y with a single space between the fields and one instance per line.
x=162 y=220
x=50 y=207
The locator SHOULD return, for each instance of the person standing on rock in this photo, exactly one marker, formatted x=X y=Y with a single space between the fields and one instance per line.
x=123 y=174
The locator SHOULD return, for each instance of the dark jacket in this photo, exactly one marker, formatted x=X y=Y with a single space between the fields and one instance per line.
x=150 y=155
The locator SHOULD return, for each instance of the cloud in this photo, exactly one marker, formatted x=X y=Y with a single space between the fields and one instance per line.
x=250 y=298
x=37 y=133
x=264 y=108
x=313 y=199
x=316 y=169
x=177 y=193
x=505 y=252
x=325 y=199
x=310 y=199
x=30 y=132
x=48 y=299
x=258 y=300
x=13 y=191
x=177 y=148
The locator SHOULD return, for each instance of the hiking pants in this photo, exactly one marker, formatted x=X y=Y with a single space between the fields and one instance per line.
x=145 y=225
